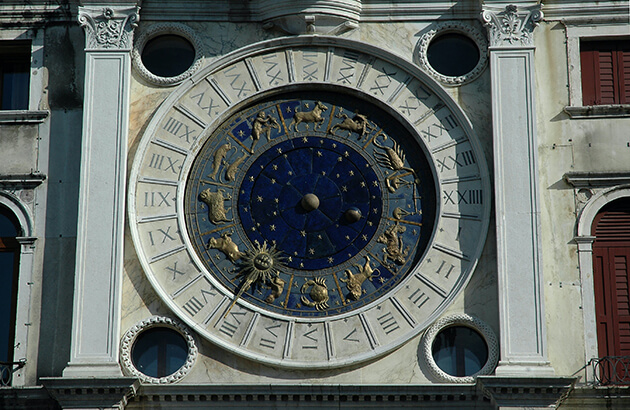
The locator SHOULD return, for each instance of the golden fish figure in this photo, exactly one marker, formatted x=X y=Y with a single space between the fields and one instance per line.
x=230 y=172
x=219 y=155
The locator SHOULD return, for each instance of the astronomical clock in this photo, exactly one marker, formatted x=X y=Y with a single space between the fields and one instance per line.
x=309 y=204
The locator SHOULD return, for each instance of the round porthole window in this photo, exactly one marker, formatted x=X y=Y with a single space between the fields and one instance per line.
x=454 y=53
x=166 y=54
x=158 y=350
x=458 y=348
x=459 y=351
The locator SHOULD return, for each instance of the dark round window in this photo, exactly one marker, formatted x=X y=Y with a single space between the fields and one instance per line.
x=453 y=54
x=168 y=55
x=159 y=352
x=460 y=351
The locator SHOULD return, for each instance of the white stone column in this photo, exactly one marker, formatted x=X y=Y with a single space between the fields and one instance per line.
x=519 y=267
x=99 y=261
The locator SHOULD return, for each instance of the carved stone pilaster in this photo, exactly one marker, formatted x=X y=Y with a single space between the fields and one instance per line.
x=108 y=27
x=511 y=27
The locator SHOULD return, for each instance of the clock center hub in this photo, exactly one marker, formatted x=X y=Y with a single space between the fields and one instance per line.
x=310 y=202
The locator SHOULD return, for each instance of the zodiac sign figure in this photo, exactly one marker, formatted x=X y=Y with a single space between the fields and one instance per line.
x=393 y=245
x=358 y=124
x=263 y=125
x=319 y=293
x=225 y=245
x=230 y=172
x=277 y=286
x=216 y=210
x=219 y=155
x=354 y=282
x=394 y=159
x=315 y=115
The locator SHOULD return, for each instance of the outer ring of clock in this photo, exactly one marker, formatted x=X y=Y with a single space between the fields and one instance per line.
x=395 y=85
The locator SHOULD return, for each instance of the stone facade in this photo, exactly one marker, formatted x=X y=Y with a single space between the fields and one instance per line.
x=74 y=162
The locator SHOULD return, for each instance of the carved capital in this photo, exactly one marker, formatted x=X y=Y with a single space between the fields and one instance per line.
x=108 y=27
x=511 y=27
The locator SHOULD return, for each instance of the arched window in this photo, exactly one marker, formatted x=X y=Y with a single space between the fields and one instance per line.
x=9 y=268
x=611 y=277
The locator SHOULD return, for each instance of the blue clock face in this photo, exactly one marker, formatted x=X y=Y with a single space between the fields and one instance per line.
x=310 y=205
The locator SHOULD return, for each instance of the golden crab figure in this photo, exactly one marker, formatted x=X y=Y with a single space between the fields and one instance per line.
x=259 y=265
x=319 y=293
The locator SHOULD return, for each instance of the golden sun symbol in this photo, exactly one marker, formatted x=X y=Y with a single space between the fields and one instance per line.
x=259 y=265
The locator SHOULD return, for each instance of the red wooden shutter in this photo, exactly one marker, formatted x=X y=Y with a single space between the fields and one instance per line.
x=625 y=73
x=611 y=268
x=590 y=73
x=605 y=72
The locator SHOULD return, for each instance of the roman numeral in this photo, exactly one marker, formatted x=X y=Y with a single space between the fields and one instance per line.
x=310 y=73
x=150 y=200
x=311 y=338
x=242 y=91
x=448 y=272
x=382 y=81
x=200 y=103
x=273 y=73
x=270 y=343
x=418 y=298
x=175 y=270
x=157 y=162
x=349 y=62
x=179 y=129
x=349 y=337
x=461 y=159
x=466 y=196
x=165 y=235
x=388 y=323
x=230 y=328
x=194 y=305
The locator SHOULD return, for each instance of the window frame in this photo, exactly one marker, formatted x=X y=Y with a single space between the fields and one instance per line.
x=576 y=33
x=13 y=52
x=24 y=248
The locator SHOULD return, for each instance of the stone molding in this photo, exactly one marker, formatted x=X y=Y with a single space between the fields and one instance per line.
x=162 y=29
x=456 y=27
x=23 y=116
x=108 y=28
x=91 y=393
x=526 y=392
x=510 y=27
x=127 y=341
x=460 y=320
x=273 y=395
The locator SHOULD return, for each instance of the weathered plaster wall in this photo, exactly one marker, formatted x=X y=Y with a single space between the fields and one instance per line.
x=561 y=146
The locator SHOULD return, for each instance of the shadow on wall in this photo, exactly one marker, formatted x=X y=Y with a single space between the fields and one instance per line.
x=64 y=60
